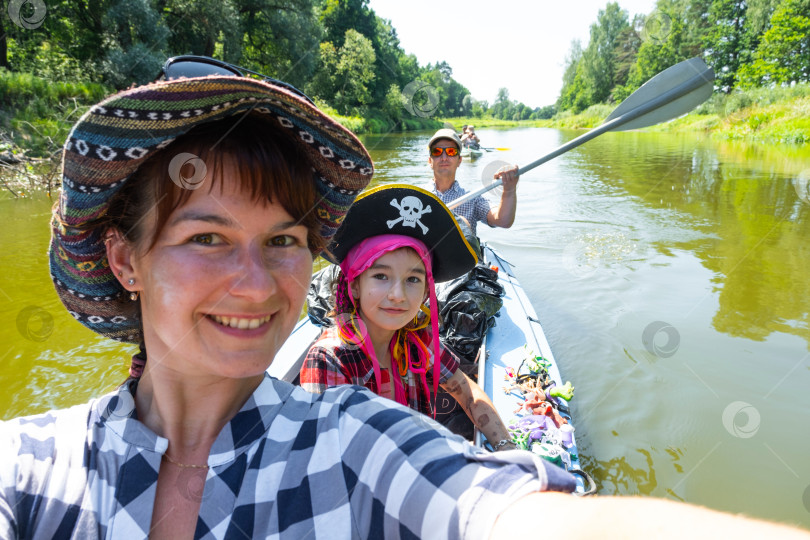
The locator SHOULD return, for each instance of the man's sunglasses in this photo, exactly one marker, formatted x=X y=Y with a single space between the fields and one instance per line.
x=451 y=151
x=202 y=66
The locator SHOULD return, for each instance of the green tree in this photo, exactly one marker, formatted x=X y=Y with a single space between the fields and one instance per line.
x=135 y=43
x=338 y=16
x=599 y=58
x=279 y=39
x=3 y=47
x=394 y=103
x=626 y=48
x=783 y=56
x=759 y=15
x=696 y=25
x=467 y=105
x=501 y=107
x=387 y=53
x=197 y=26
x=78 y=28
x=408 y=69
x=659 y=51
x=725 y=42
x=590 y=74
x=570 y=83
x=344 y=74
x=480 y=108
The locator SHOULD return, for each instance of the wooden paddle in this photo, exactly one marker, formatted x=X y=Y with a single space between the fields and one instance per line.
x=672 y=93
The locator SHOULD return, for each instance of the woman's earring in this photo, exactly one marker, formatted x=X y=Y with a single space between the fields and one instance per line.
x=134 y=294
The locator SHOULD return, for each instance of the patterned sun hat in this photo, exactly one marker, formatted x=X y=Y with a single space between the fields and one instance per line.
x=115 y=137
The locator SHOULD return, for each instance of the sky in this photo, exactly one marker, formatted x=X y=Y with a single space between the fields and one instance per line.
x=517 y=44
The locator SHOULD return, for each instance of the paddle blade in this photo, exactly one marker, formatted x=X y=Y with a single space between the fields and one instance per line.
x=697 y=89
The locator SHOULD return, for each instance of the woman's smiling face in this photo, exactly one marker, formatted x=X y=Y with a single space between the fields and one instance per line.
x=224 y=283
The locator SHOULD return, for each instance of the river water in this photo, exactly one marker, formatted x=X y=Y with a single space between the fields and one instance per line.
x=670 y=273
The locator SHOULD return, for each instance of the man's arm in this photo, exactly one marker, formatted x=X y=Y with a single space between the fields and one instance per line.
x=479 y=408
x=504 y=214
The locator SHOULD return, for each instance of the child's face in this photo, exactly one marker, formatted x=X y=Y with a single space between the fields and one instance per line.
x=391 y=290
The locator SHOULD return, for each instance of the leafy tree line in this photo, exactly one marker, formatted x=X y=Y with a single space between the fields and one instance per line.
x=337 y=51
x=748 y=43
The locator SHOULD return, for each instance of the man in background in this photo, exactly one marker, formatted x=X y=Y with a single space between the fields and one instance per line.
x=445 y=158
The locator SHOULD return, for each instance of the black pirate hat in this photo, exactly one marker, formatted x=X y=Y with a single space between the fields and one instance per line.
x=409 y=211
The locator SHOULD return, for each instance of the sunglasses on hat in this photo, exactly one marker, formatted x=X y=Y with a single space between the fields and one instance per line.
x=451 y=151
x=202 y=66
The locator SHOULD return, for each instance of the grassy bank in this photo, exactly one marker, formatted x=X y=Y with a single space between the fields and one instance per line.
x=376 y=122
x=768 y=115
x=36 y=115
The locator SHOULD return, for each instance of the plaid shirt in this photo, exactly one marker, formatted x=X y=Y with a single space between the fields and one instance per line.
x=331 y=362
x=290 y=464
x=473 y=211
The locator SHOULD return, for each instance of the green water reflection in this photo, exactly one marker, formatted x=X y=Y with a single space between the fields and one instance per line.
x=746 y=199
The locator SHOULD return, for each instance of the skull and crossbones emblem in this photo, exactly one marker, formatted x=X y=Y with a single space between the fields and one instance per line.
x=410 y=213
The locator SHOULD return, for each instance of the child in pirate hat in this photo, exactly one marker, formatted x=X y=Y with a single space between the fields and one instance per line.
x=394 y=243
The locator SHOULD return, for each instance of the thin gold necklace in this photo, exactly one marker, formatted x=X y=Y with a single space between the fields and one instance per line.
x=183 y=465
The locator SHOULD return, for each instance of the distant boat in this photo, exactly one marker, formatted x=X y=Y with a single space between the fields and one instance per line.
x=471 y=153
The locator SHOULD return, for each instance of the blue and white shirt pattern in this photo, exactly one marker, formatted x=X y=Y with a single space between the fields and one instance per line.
x=473 y=211
x=290 y=464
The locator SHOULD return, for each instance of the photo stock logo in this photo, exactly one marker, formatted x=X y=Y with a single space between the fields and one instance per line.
x=353 y=330
x=806 y=498
x=187 y=171
x=35 y=324
x=802 y=186
x=421 y=99
x=580 y=259
x=119 y=407
x=28 y=14
x=657 y=27
x=191 y=484
x=741 y=419
x=661 y=339
x=488 y=176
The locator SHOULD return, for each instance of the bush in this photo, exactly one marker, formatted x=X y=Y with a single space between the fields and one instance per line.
x=40 y=113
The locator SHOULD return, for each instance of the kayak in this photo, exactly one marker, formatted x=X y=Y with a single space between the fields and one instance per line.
x=471 y=153
x=511 y=349
x=517 y=339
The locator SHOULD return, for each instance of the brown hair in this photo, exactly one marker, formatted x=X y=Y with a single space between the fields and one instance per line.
x=270 y=168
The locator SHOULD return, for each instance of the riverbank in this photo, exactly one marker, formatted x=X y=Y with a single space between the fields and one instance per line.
x=36 y=116
x=767 y=115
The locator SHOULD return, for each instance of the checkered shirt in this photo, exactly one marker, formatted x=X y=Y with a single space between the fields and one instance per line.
x=330 y=362
x=290 y=464
x=473 y=211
